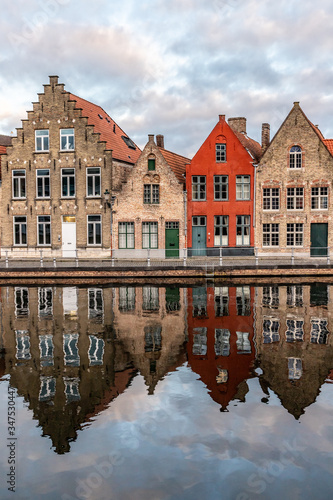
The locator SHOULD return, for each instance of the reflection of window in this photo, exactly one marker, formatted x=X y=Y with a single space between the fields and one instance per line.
x=270 y=296
x=95 y=304
x=96 y=350
x=295 y=296
x=153 y=338
x=199 y=302
x=172 y=299
x=243 y=300
x=319 y=331
x=150 y=299
x=21 y=302
x=72 y=389
x=126 y=299
x=221 y=294
x=222 y=342
x=199 y=341
x=243 y=343
x=295 y=368
x=45 y=302
x=47 y=388
x=71 y=351
x=46 y=350
x=294 y=330
x=271 y=330
x=22 y=345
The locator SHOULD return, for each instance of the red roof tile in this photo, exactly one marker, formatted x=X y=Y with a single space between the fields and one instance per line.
x=110 y=132
x=177 y=163
x=329 y=144
x=250 y=144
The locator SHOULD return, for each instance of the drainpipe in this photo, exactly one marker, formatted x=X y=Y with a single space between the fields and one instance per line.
x=254 y=194
x=185 y=214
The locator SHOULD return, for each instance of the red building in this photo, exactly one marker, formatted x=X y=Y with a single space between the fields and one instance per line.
x=220 y=191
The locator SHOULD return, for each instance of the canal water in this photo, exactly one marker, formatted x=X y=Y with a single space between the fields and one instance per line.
x=152 y=392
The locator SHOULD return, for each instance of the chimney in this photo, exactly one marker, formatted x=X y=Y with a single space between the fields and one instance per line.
x=150 y=137
x=238 y=124
x=265 y=136
x=221 y=118
x=160 y=141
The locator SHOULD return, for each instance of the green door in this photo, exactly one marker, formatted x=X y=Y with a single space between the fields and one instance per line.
x=171 y=239
x=319 y=240
x=199 y=235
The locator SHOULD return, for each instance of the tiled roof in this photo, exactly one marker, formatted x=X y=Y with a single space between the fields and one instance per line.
x=329 y=144
x=250 y=144
x=177 y=163
x=5 y=140
x=110 y=132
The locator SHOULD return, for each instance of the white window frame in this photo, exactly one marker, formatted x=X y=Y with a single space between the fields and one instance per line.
x=19 y=179
x=295 y=157
x=294 y=196
x=65 y=181
x=66 y=133
x=93 y=176
x=243 y=181
x=270 y=329
x=43 y=224
x=94 y=224
x=20 y=224
x=294 y=230
x=42 y=140
x=42 y=178
x=270 y=236
x=152 y=234
x=271 y=199
x=319 y=198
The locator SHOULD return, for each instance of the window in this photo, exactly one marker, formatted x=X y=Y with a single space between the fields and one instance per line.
x=42 y=140
x=199 y=341
x=295 y=296
x=221 y=294
x=270 y=296
x=271 y=330
x=199 y=221
x=242 y=187
x=95 y=304
x=171 y=225
x=319 y=331
x=94 y=230
x=66 y=139
x=220 y=187
x=198 y=187
x=149 y=235
x=126 y=235
x=151 y=193
x=221 y=152
x=242 y=229
x=221 y=224
x=294 y=235
x=270 y=235
x=243 y=300
x=222 y=342
x=93 y=181
x=295 y=198
x=271 y=198
x=20 y=230
x=294 y=330
x=44 y=229
x=295 y=157
x=319 y=198
x=150 y=298
x=151 y=162
x=43 y=183
x=67 y=182
x=19 y=184
x=126 y=299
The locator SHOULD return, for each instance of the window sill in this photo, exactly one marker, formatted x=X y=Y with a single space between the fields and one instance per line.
x=66 y=150
x=41 y=152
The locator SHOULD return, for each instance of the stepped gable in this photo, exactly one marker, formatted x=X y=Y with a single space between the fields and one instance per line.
x=123 y=148
x=177 y=163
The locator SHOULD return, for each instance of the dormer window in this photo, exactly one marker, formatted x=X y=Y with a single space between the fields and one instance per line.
x=221 y=152
x=151 y=162
x=295 y=157
x=66 y=139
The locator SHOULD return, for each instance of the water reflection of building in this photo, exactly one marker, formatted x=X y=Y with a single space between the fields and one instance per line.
x=294 y=342
x=61 y=355
x=220 y=347
x=150 y=323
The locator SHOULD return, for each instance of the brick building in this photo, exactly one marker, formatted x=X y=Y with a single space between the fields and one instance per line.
x=149 y=212
x=67 y=153
x=293 y=185
x=220 y=191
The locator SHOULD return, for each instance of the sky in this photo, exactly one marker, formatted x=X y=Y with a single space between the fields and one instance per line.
x=171 y=66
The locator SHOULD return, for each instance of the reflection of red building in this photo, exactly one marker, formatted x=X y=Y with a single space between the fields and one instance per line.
x=220 y=347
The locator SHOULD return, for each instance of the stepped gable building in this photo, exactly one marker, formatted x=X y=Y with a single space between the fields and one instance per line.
x=293 y=185
x=149 y=212
x=66 y=155
x=220 y=191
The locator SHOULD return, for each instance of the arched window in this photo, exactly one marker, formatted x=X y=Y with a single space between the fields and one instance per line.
x=295 y=157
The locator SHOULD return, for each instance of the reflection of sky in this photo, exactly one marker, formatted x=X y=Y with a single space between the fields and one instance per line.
x=176 y=444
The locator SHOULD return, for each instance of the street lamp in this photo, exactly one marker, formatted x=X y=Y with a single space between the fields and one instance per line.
x=109 y=200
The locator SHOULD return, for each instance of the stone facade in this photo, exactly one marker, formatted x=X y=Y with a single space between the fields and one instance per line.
x=293 y=185
x=150 y=203
x=54 y=176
